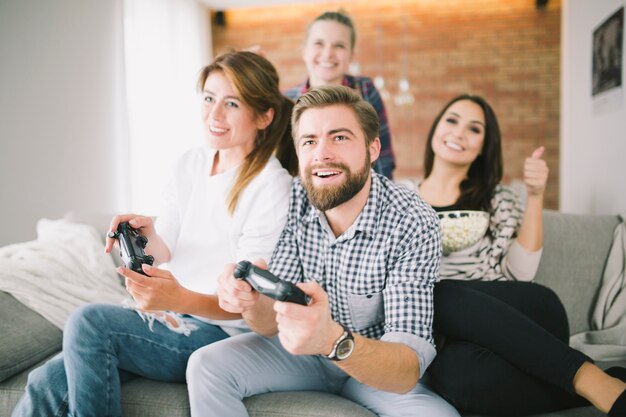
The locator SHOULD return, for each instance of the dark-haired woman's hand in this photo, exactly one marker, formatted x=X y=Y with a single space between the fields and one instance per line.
x=536 y=173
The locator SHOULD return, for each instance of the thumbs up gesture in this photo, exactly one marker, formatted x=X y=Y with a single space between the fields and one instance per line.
x=536 y=173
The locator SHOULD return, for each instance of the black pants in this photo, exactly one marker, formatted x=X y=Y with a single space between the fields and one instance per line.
x=506 y=349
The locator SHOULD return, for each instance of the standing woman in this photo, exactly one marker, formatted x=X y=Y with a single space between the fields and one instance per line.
x=505 y=340
x=226 y=202
x=327 y=52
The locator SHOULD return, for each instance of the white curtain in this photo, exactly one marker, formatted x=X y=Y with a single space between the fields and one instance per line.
x=166 y=44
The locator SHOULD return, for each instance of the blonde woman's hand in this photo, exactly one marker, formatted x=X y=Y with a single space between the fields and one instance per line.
x=144 y=224
x=158 y=290
x=536 y=173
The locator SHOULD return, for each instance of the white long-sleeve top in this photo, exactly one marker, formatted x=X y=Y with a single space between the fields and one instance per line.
x=498 y=255
x=202 y=236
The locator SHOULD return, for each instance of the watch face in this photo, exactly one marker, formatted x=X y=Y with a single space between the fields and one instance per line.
x=344 y=349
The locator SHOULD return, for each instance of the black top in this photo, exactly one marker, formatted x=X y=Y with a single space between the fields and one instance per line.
x=446 y=208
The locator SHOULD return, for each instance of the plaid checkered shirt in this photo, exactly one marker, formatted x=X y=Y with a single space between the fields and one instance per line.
x=379 y=274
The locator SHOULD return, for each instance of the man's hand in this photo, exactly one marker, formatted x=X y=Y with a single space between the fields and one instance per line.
x=158 y=291
x=536 y=173
x=236 y=295
x=307 y=330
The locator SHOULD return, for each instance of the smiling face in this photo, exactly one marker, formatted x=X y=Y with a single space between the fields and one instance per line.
x=334 y=159
x=327 y=52
x=460 y=134
x=231 y=125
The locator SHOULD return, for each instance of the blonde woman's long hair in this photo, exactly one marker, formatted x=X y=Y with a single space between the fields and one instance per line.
x=256 y=82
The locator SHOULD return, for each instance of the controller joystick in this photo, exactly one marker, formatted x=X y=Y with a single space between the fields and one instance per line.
x=268 y=284
x=132 y=245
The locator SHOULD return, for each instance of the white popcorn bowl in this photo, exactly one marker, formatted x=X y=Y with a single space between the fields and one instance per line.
x=461 y=229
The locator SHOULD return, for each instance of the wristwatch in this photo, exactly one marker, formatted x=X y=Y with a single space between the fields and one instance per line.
x=343 y=347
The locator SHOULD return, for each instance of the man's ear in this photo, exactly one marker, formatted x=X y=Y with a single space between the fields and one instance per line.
x=374 y=149
x=265 y=119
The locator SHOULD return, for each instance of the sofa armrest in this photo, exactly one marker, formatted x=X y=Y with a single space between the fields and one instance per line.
x=575 y=252
x=26 y=338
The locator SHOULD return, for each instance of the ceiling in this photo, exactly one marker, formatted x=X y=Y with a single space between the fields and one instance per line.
x=236 y=4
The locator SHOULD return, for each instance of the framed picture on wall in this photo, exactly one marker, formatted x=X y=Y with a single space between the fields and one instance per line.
x=608 y=47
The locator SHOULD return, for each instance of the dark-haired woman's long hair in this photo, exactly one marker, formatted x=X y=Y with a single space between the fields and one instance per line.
x=485 y=173
x=255 y=80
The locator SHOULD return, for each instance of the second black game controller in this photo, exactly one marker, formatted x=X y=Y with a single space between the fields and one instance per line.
x=132 y=245
x=268 y=284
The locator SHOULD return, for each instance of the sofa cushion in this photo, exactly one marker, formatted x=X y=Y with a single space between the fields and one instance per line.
x=144 y=397
x=574 y=255
x=305 y=404
x=27 y=338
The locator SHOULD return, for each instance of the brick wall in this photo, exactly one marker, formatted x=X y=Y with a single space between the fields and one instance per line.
x=507 y=51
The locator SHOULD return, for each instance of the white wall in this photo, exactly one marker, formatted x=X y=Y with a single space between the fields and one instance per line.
x=165 y=47
x=64 y=129
x=61 y=111
x=593 y=142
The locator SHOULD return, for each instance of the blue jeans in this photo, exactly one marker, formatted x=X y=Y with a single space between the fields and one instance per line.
x=219 y=376
x=104 y=346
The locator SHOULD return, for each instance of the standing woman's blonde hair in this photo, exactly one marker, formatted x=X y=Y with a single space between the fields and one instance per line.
x=255 y=80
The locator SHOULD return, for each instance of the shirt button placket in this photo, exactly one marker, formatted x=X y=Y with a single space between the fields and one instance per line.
x=331 y=283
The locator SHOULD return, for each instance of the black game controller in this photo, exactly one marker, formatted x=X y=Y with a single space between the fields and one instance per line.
x=131 y=247
x=268 y=284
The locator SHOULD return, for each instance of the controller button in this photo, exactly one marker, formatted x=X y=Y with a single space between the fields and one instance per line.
x=142 y=241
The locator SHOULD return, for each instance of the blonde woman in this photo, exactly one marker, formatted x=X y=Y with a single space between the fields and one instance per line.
x=226 y=202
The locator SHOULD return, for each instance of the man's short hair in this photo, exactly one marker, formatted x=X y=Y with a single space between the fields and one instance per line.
x=331 y=95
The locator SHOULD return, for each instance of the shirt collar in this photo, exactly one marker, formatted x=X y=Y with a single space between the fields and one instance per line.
x=347 y=81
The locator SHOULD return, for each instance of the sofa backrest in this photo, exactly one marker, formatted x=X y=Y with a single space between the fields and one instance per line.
x=575 y=252
x=101 y=222
x=574 y=255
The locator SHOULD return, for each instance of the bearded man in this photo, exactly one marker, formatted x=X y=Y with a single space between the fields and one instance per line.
x=367 y=253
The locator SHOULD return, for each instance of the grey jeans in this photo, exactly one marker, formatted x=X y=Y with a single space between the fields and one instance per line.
x=220 y=375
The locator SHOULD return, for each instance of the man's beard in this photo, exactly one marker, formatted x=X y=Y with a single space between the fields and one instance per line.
x=326 y=197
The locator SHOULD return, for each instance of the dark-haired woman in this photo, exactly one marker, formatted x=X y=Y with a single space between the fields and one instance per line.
x=504 y=348
x=226 y=202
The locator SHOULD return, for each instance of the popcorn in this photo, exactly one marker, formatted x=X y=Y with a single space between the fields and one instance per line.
x=461 y=229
